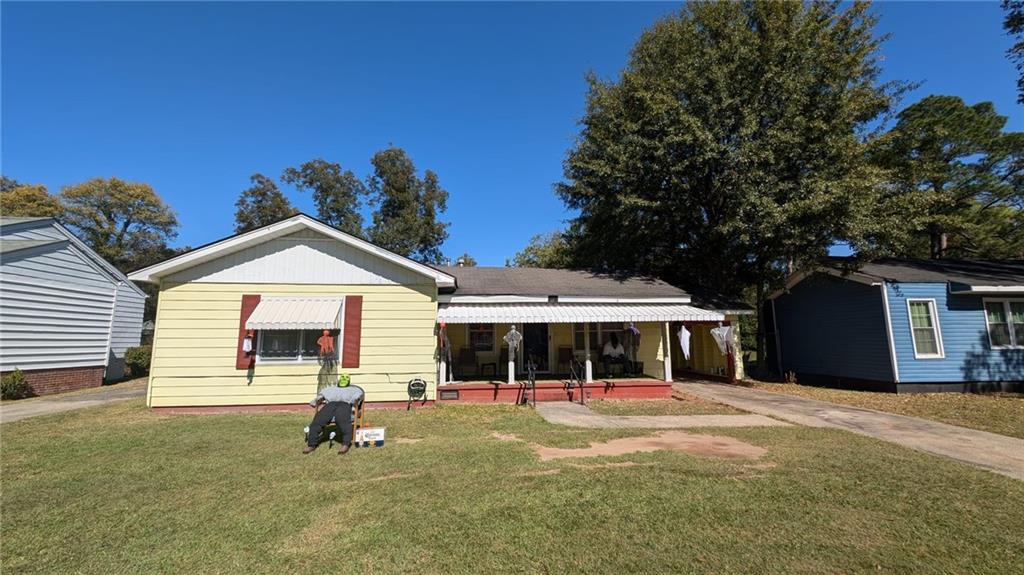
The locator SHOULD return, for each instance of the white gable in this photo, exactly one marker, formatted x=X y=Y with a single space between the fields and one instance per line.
x=304 y=257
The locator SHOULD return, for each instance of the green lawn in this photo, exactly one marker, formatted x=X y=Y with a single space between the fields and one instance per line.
x=119 y=489
x=1001 y=413
x=680 y=404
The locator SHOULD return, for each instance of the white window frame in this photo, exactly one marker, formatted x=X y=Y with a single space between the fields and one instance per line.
x=936 y=328
x=1009 y=321
x=598 y=331
x=339 y=341
x=494 y=337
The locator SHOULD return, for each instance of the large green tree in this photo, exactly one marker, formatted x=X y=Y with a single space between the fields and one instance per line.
x=336 y=193
x=959 y=176
x=125 y=222
x=261 y=204
x=544 y=251
x=732 y=146
x=1013 y=23
x=406 y=218
x=30 y=201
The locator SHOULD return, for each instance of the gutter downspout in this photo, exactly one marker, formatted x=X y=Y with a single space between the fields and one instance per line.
x=888 y=333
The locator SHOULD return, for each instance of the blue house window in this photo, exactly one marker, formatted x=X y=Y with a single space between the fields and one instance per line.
x=1005 y=321
x=924 y=329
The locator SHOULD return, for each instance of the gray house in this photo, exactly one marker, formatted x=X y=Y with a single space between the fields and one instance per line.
x=66 y=315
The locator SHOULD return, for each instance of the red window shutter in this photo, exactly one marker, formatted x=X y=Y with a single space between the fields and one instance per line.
x=245 y=360
x=353 y=331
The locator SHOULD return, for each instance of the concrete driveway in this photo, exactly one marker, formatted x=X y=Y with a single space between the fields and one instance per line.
x=15 y=410
x=998 y=453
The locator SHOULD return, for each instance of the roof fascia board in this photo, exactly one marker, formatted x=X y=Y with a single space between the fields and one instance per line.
x=972 y=289
x=239 y=242
x=592 y=299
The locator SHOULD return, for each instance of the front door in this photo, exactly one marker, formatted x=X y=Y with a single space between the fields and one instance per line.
x=535 y=346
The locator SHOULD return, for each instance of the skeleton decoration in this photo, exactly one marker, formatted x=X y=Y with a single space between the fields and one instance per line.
x=512 y=338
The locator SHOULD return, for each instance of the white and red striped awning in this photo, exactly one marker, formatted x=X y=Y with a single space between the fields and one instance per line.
x=571 y=313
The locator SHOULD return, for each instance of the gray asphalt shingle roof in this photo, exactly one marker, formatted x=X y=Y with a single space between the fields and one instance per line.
x=548 y=282
x=970 y=272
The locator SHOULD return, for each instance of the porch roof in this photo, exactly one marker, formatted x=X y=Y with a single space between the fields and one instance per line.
x=571 y=313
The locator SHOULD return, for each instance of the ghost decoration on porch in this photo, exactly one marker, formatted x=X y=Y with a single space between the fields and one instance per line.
x=723 y=337
x=684 y=341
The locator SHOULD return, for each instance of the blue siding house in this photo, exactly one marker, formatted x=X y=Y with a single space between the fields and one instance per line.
x=903 y=325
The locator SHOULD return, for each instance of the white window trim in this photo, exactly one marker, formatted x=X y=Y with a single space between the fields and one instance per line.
x=936 y=327
x=1009 y=321
x=599 y=333
x=339 y=342
x=494 y=337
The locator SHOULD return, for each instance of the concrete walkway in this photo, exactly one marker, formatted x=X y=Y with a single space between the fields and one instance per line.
x=576 y=415
x=15 y=410
x=998 y=453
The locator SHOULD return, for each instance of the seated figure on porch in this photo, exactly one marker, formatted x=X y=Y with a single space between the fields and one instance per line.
x=613 y=353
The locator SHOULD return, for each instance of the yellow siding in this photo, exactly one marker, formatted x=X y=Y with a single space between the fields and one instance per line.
x=651 y=352
x=196 y=338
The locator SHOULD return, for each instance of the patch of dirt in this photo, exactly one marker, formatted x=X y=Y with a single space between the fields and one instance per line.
x=387 y=477
x=541 y=473
x=505 y=436
x=614 y=464
x=408 y=439
x=694 y=444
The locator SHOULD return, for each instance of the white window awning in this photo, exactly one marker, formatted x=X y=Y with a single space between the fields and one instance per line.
x=571 y=313
x=307 y=312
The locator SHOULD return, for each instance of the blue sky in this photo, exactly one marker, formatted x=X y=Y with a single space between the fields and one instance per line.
x=194 y=98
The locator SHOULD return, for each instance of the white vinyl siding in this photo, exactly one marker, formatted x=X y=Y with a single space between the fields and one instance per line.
x=1004 y=320
x=55 y=310
x=60 y=307
x=126 y=328
x=924 y=329
x=304 y=257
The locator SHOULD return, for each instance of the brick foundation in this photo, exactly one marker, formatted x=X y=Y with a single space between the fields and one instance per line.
x=50 y=381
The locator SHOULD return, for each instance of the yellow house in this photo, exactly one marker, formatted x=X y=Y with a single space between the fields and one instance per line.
x=287 y=282
x=266 y=317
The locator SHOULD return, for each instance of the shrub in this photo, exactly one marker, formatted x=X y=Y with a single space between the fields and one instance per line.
x=13 y=385
x=136 y=360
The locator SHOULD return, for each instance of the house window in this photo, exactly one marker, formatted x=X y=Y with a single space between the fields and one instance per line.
x=578 y=341
x=924 y=328
x=1005 y=320
x=599 y=335
x=291 y=344
x=481 y=336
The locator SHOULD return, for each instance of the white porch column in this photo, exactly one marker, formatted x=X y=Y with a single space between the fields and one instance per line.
x=442 y=369
x=589 y=367
x=666 y=346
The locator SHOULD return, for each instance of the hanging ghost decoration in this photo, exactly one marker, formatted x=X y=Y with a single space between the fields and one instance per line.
x=684 y=341
x=723 y=337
